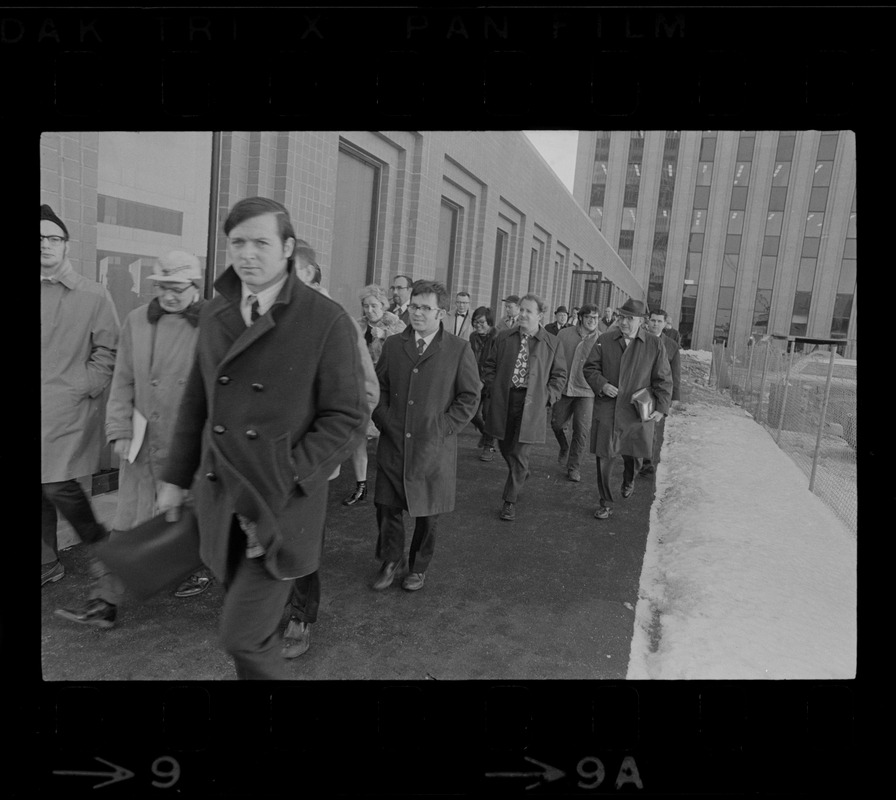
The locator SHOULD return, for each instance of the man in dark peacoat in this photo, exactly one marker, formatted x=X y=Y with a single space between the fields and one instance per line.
x=625 y=359
x=274 y=402
x=525 y=373
x=656 y=325
x=429 y=389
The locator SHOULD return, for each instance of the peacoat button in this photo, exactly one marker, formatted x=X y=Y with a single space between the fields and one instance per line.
x=219 y=429
x=257 y=387
x=250 y=434
x=410 y=402
x=211 y=476
x=223 y=380
x=154 y=382
x=415 y=370
x=408 y=435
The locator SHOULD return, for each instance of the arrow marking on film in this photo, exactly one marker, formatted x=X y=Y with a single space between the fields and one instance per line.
x=547 y=774
x=118 y=774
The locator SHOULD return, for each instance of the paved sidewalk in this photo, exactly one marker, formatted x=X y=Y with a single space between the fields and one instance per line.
x=551 y=595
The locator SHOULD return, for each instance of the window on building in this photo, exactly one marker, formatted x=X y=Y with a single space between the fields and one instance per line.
x=447 y=244
x=701 y=197
x=761 y=311
x=704 y=173
x=698 y=220
x=823 y=171
x=695 y=244
x=777 y=198
x=356 y=206
x=728 y=275
x=742 y=173
x=767 y=265
x=814 y=224
x=810 y=247
x=142 y=216
x=818 y=198
x=630 y=198
x=598 y=192
x=849 y=249
x=736 y=222
x=770 y=245
x=802 y=303
x=773 y=224
x=739 y=198
x=781 y=174
x=708 y=148
x=692 y=270
x=732 y=244
x=827 y=146
x=745 y=148
x=499 y=264
x=784 y=151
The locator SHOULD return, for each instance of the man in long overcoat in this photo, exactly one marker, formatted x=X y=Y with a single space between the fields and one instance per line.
x=78 y=342
x=429 y=389
x=656 y=325
x=274 y=402
x=524 y=373
x=625 y=359
x=155 y=354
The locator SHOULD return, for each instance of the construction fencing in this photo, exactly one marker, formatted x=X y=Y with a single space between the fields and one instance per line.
x=807 y=402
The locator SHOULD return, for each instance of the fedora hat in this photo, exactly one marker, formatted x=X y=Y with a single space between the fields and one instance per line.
x=633 y=308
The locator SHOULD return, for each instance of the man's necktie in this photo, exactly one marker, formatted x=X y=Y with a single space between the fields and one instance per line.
x=420 y=345
x=521 y=368
x=253 y=313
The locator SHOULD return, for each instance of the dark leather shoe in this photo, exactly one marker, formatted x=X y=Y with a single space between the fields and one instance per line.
x=628 y=489
x=508 y=513
x=414 y=581
x=387 y=574
x=296 y=638
x=574 y=475
x=602 y=512
x=487 y=454
x=51 y=572
x=197 y=583
x=357 y=496
x=647 y=469
x=97 y=612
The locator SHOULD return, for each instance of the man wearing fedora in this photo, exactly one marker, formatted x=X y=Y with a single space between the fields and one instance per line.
x=561 y=315
x=625 y=359
x=511 y=313
x=155 y=355
x=78 y=338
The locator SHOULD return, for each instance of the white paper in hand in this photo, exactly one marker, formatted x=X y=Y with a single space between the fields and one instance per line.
x=139 y=423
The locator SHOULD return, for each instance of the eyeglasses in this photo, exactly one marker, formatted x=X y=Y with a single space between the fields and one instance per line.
x=173 y=289
x=396 y=288
x=413 y=307
x=594 y=317
x=53 y=240
x=480 y=321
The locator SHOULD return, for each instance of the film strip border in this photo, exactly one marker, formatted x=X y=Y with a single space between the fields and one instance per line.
x=430 y=738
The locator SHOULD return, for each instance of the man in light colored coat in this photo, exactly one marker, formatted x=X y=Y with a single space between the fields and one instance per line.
x=274 y=402
x=577 y=399
x=429 y=389
x=78 y=341
x=525 y=373
x=625 y=359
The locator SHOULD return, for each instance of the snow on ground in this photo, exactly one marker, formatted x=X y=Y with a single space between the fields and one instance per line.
x=747 y=574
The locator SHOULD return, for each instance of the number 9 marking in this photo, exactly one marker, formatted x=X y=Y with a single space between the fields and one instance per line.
x=171 y=771
x=596 y=772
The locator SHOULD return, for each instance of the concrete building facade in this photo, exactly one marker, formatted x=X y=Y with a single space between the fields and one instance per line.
x=481 y=211
x=732 y=232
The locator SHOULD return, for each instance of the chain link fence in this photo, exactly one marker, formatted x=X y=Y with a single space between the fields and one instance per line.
x=806 y=401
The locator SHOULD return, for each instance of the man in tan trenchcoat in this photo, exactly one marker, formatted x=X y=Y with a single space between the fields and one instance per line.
x=78 y=337
x=625 y=359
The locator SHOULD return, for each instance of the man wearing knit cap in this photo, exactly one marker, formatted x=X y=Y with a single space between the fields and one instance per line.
x=155 y=355
x=79 y=338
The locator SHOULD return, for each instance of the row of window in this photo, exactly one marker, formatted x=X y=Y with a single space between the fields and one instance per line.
x=127 y=213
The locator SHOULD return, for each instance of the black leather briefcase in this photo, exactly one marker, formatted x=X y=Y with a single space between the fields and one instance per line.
x=154 y=556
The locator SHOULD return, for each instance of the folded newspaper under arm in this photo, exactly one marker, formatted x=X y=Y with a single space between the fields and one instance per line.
x=645 y=403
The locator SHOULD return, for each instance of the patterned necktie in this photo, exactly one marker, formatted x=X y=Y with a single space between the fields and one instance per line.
x=521 y=368
x=420 y=345
x=253 y=313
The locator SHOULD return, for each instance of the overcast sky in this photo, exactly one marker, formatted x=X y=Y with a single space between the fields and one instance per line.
x=559 y=149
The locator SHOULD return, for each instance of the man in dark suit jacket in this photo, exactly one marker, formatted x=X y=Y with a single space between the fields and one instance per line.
x=401 y=296
x=274 y=403
x=561 y=315
x=525 y=372
x=429 y=389
x=669 y=331
x=656 y=324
